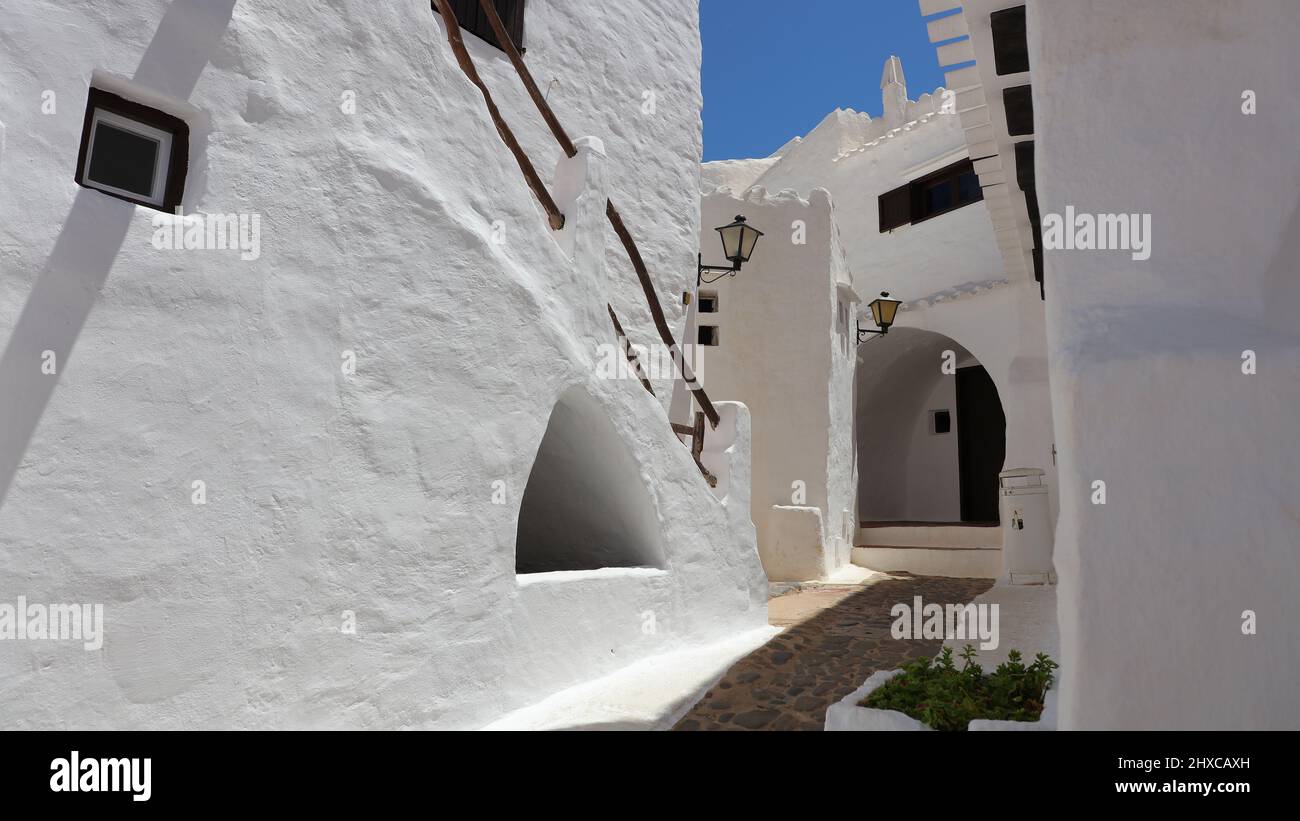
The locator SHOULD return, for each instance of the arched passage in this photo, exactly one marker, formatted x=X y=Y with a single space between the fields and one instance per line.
x=585 y=506
x=930 y=442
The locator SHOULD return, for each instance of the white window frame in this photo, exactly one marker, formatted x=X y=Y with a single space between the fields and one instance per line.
x=158 y=194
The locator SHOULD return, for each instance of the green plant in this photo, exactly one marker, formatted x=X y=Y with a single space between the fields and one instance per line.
x=944 y=697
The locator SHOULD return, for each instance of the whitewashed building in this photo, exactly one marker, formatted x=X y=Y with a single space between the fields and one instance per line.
x=304 y=382
x=954 y=393
x=1143 y=156
x=364 y=474
x=1133 y=248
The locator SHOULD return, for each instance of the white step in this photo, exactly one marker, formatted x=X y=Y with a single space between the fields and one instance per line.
x=960 y=562
x=947 y=536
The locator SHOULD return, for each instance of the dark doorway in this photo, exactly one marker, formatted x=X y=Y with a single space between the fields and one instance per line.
x=981 y=443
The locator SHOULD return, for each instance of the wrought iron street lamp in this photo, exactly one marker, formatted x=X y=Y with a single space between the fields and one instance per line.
x=738 y=240
x=883 y=311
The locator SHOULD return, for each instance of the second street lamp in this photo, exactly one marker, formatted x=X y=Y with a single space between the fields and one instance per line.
x=738 y=240
x=883 y=311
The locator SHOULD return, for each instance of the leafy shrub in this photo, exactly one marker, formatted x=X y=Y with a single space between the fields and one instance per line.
x=935 y=692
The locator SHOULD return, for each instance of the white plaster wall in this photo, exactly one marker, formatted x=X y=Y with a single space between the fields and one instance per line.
x=907 y=474
x=948 y=270
x=857 y=159
x=785 y=353
x=1003 y=328
x=1201 y=521
x=933 y=467
x=325 y=492
x=735 y=175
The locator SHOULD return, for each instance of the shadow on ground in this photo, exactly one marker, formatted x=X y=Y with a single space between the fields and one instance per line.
x=788 y=683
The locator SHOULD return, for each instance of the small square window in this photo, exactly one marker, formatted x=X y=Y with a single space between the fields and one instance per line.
x=708 y=335
x=133 y=152
x=708 y=303
x=941 y=421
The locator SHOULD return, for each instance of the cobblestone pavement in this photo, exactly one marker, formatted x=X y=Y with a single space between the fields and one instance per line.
x=837 y=636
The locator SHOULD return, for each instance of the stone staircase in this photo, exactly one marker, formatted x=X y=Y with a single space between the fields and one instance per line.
x=951 y=549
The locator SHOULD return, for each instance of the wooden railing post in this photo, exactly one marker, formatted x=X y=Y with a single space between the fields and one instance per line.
x=697 y=450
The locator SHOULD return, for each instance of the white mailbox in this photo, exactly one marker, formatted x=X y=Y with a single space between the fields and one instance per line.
x=1026 y=527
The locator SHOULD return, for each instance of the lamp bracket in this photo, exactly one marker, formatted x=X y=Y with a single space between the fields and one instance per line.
x=703 y=269
x=863 y=331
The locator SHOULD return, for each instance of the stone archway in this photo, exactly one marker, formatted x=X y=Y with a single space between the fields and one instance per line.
x=585 y=506
x=918 y=459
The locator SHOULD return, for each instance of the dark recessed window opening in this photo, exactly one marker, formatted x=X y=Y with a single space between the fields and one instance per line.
x=471 y=18
x=1025 y=178
x=942 y=422
x=945 y=190
x=1010 y=45
x=708 y=335
x=1019 y=104
x=1025 y=165
x=133 y=152
x=708 y=303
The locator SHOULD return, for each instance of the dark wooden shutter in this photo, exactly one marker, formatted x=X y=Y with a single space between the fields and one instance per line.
x=471 y=18
x=895 y=208
x=1010 y=43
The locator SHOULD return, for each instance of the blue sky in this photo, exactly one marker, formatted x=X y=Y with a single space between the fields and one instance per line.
x=774 y=68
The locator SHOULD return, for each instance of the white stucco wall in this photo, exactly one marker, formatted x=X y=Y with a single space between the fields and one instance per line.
x=1201 y=521
x=857 y=158
x=788 y=355
x=932 y=464
x=948 y=270
x=907 y=473
x=1002 y=326
x=326 y=492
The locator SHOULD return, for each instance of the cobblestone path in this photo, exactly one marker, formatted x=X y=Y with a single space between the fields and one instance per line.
x=837 y=636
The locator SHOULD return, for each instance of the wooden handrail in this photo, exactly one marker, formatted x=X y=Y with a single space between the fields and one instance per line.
x=629 y=244
x=657 y=312
x=508 y=45
x=555 y=218
x=626 y=345
x=562 y=137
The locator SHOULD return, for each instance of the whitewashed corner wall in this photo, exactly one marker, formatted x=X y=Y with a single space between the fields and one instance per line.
x=949 y=272
x=1139 y=110
x=786 y=350
x=402 y=233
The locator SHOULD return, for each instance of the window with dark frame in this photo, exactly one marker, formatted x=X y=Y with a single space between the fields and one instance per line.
x=938 y=193
x=472 y=19
x=708 y=303
x=708 y=335
x=132 y=152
